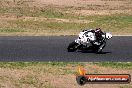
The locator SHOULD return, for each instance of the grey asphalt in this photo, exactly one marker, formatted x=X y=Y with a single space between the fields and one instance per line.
x=54 y=48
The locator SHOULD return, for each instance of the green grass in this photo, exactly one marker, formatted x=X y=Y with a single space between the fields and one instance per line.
x=120 y=65
x=19 y=65
x=126 y=86
x=10 y=30
x=49 y=25
x=32 y=74
x=36 y=12
x=116 y=23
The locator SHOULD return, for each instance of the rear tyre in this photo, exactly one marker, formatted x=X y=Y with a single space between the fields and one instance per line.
x=72 y=47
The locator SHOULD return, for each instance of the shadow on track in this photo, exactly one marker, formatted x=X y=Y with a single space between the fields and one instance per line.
x=88 y=51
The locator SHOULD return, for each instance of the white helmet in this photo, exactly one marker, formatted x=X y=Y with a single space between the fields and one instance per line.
x=108 y=35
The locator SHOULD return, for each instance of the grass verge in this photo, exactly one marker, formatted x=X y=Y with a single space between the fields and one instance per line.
x=56 y=74
x=53 y=21
x=119 y=65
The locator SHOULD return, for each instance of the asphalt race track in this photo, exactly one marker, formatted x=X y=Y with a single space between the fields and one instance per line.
x=55 y=49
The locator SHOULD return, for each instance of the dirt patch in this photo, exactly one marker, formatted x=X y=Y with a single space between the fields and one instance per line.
x=59 y=20
x=96 y=4
x=100 y=12
x=104 y=4
x=58 y=2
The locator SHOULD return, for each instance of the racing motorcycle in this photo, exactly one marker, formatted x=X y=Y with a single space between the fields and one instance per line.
x=83 y=42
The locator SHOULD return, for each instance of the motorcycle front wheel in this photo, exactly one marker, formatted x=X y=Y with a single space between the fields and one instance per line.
x=99 y=49
x=72 y=47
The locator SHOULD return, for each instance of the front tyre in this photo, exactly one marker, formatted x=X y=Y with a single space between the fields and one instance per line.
x=72 y=47
x=101 y=47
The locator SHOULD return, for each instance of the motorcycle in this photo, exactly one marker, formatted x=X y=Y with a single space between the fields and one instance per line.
x=83 y=42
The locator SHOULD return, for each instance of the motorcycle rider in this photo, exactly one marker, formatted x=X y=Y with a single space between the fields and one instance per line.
x=91 y=35
x=90 y=39
x=98 y=34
